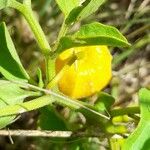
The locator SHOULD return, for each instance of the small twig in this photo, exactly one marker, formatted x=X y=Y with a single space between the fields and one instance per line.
x=130 y=9
x=46 y=133
x=143 y=4
x=131 y=68
x=10 y=138
x=138 y=31
x=35 y=133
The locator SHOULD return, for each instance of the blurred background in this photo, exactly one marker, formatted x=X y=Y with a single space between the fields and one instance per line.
x=131 y=66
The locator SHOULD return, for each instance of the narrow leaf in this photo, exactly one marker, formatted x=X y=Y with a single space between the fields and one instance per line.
x=10 y=65
x=87 y=8
x=90 y=8
x=40 y=80
x=67 y=5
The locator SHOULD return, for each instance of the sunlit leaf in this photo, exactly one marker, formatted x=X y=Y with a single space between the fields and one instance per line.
x=67 y=5
x=10 y=65
x=87 y=8
x=11 y=94
x=94 y=34
x=140 y=138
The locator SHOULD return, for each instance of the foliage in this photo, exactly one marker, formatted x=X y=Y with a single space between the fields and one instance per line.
x=139 y=139
x=10 y=65
x=10 y=94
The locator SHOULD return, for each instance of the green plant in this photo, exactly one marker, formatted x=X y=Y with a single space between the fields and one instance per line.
x=16 y=85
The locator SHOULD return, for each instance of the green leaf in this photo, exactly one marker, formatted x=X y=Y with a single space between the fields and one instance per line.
x=10 y=65
x=104 y=102
x=11 y=94
x=67 y=5
x=87 y=8
x=49 y=120
x=94 y=34
x=101 y=34
x=26 y=106
x=140 y=138
x=72 y=17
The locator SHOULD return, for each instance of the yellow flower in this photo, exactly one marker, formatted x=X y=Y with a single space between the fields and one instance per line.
x=88 y=74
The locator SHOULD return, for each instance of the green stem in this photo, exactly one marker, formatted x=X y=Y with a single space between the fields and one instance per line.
x=27 y=12
x=50 y=68
x=51 y=61
x=56 y=78
x=63 y=30
x=34 y=25
x=62 y=33
x=125 y=111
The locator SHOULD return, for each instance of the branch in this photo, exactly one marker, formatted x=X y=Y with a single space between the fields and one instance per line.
x=27 y=12
x=35 y=133
x=47 y=133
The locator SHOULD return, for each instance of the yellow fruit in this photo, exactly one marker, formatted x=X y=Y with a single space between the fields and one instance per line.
x=88 y=74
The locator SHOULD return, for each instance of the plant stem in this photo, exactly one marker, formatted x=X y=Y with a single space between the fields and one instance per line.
x=50 y=61
x=37 y=133
x=50 y=68
x=50 y=133
x=63 y=30
x=27 y=12
x=55 y=80
x=62 y=33
x=34 y=25
x=125 y=111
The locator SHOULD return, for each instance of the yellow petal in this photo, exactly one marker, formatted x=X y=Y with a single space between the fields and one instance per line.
x=87 y=75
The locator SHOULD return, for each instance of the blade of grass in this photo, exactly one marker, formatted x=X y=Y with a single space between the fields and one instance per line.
x=136 y=47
